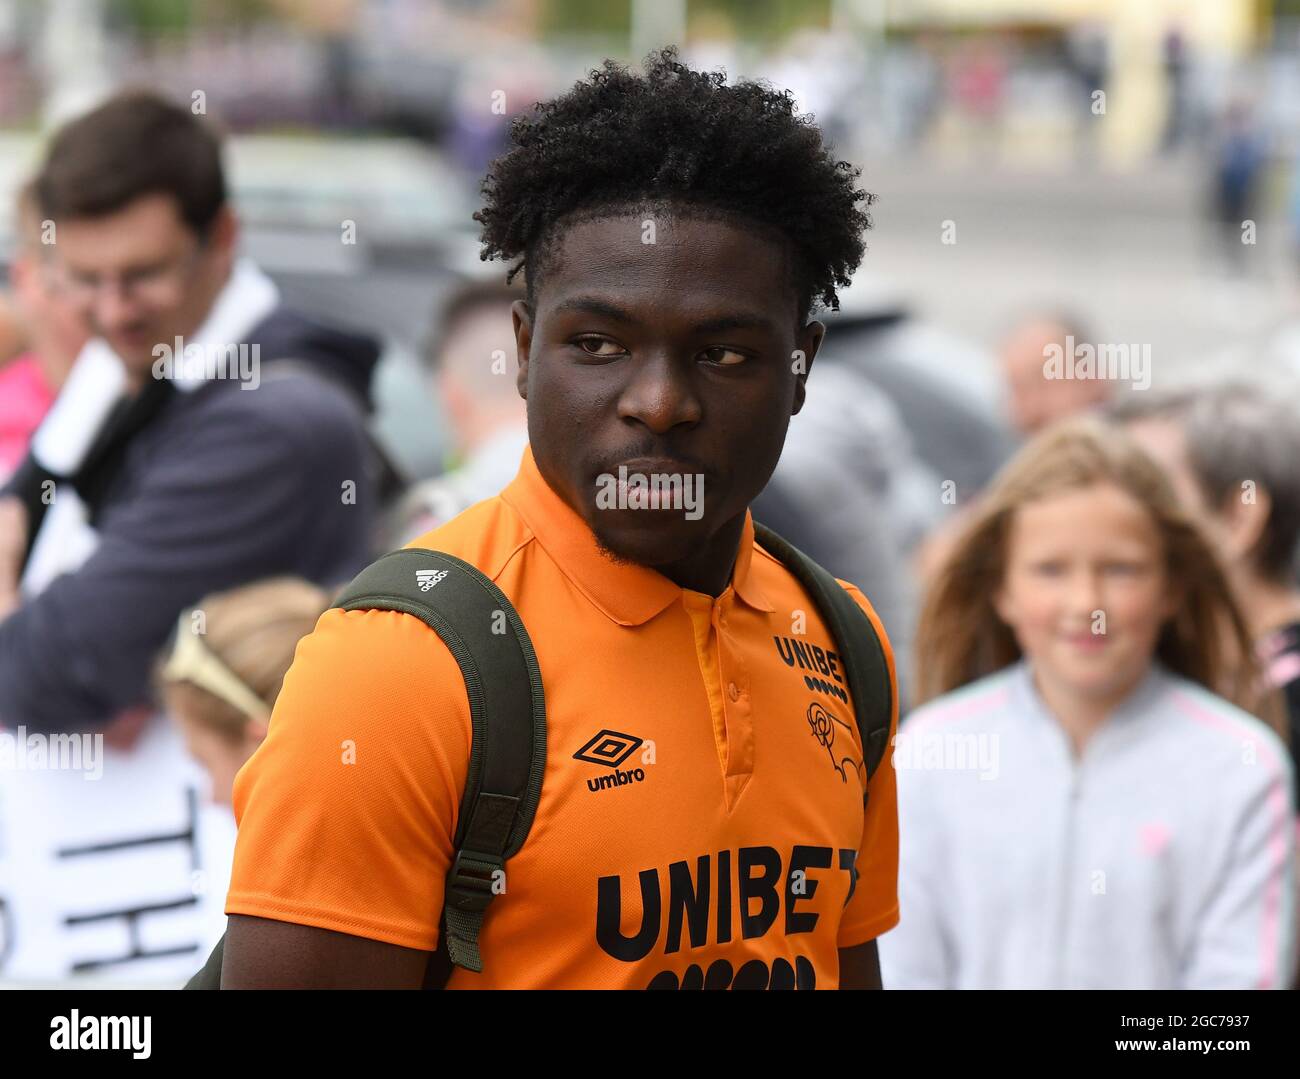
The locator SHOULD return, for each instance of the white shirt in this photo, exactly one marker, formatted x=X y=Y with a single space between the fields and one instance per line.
x=1164 y=858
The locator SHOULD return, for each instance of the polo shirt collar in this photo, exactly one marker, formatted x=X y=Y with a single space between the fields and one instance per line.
x=625 y=593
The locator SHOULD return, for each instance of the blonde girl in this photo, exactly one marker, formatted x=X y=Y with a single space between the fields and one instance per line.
x=1085 y=799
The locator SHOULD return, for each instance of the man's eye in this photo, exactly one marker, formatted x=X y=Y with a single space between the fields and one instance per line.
x=144 y=274
x=725 y=357
x=598 y=346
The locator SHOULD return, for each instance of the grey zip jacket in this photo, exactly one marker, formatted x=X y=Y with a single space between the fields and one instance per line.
x=1164 y=858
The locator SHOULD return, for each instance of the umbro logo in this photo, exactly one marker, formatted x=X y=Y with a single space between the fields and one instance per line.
x=427 y=578
x=611 y=748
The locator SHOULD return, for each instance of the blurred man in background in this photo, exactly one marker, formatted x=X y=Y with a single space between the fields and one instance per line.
x=206 y=437
x=1034 y=399
x=1240 y=157
x=197 y=476
x=489 y=425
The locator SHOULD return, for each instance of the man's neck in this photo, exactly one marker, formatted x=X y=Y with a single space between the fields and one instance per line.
x=136 y=380
x=709 y=569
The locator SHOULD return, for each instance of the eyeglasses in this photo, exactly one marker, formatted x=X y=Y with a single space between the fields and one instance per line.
x=158 y=283
x=192 y=661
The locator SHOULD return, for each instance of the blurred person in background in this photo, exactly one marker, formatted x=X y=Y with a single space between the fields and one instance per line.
x=1089 y=61
x=835 y=495
x=1034 y=400
x=1232 y=451
x=1119 y=824
x=1177 y=70
x=469 y=356
x=196 y=476
x=226 y=665
x=219 y=682
x=50 y=333
x=206 y=437
x=1239 y=158
x=979 y=85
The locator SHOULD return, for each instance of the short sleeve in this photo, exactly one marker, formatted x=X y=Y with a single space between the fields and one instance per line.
x=873 y=907
x=347 y=810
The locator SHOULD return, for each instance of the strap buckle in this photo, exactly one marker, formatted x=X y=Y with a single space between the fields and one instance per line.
x=471 y=879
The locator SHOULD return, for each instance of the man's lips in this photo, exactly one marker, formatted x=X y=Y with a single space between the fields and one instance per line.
x=130 y=337
x=653 y=483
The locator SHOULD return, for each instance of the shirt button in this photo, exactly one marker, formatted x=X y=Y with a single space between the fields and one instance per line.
x=733 y=692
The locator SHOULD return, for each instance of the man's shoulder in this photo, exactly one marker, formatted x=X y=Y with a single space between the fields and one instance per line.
x=781 y=586
x=367 y=649
x=488 y=535
x=317 y=420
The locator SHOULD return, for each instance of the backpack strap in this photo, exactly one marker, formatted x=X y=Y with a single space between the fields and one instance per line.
x=209 y=975
x=484 y=633
x=860 y=647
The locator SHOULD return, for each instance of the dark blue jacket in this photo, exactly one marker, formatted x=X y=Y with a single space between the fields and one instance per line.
x=217 y=488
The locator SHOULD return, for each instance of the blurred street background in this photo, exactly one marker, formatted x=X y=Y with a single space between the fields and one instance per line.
x=1071 y=144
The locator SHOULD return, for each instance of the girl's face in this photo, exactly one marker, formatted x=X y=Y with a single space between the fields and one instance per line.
x=219 y=754
x=1085 y=589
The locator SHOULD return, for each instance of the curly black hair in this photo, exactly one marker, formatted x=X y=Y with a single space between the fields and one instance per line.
x=683 y=140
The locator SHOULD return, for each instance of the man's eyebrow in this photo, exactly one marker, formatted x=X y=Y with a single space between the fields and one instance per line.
x=592 y=306
x=733 y=322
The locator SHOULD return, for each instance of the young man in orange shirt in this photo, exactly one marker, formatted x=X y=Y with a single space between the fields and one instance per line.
x=694 y=828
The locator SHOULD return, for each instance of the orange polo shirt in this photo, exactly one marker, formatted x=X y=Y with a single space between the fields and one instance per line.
x=692 y=830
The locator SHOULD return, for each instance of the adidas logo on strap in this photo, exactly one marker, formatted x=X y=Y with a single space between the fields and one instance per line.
x=427 y=578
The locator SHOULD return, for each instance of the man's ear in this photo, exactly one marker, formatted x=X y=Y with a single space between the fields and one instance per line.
x=807 y=342
x=223 y=235
x=521 y=316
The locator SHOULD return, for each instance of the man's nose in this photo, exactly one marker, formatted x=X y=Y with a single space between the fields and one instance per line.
x=113 y=308
x=661 y=392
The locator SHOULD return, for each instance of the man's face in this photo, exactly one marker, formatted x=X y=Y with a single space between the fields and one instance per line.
x=673 y=358
x=140 y=276
x=1034 y=400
